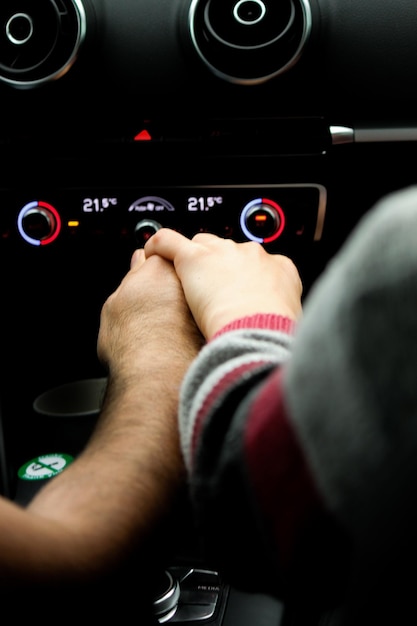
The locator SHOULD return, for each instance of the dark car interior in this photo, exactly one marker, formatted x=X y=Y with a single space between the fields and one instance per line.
x=279 y=121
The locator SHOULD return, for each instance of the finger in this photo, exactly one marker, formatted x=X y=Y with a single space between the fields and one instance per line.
x=165 y=243
x=138 y=258
x=206 y=238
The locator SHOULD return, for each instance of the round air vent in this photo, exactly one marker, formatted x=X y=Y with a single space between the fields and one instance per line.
x=39 y=41
x=249 y=41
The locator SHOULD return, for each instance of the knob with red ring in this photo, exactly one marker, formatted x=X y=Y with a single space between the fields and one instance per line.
x=262 y=220
x=39 y=223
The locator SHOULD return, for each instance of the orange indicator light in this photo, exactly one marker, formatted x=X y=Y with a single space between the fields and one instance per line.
x=73 y=223
x=260 y=218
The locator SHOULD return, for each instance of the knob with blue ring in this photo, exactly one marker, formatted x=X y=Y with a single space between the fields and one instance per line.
x=262 y=220
x=39 y=223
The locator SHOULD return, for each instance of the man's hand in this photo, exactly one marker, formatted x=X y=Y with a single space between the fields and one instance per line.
x=146 y=324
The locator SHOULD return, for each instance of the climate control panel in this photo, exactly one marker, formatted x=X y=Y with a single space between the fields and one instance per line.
x=278 y=216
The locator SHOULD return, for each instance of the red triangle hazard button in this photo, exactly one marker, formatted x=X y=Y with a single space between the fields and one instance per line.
x=143 y=136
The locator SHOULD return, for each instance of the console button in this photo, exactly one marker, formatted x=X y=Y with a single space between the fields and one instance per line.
x=191 y=595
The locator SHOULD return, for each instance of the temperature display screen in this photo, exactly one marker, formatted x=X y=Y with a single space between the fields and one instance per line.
x=203 y=203
x=98 y=205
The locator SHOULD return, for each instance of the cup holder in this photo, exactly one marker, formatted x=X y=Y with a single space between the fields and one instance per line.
x=65 y=416
x=79 y=399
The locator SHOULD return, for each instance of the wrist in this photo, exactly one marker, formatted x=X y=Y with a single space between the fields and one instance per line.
x=264 y=321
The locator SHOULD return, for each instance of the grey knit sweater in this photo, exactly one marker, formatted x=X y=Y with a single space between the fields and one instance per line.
x=301 y=444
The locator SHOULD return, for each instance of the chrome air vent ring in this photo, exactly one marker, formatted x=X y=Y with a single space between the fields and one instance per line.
x=39 y=41
x=249 y=41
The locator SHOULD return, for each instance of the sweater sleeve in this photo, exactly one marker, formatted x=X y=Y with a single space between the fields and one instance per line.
x=302 y=450
x=253 y=494
x=350 y=388
x=351 y=384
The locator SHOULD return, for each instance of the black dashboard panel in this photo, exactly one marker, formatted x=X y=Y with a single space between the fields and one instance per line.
x=80 y=62
x=282 y=121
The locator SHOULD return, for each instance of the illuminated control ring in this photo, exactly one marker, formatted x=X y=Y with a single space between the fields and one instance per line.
x=46 y=216
x=264 y=210
x=145 y=229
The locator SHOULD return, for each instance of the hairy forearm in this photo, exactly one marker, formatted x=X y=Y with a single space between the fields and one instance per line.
x=89 y=517
x=110 y=500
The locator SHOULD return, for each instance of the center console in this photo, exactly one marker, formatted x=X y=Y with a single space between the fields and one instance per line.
x=67 y=231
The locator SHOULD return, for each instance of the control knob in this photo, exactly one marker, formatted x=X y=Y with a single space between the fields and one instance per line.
x=166 y=598
x=39 y=223
x=262 y=220
x=144 y=230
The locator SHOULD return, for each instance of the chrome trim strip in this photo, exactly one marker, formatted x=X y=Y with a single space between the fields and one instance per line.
x=321 y=211
x=373 y=135
x=342 y=134
x=345 y=134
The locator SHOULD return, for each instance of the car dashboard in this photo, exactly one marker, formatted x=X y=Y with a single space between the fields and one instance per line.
x=278 y=121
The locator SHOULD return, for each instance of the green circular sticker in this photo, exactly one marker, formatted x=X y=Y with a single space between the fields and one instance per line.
x=45 y=466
